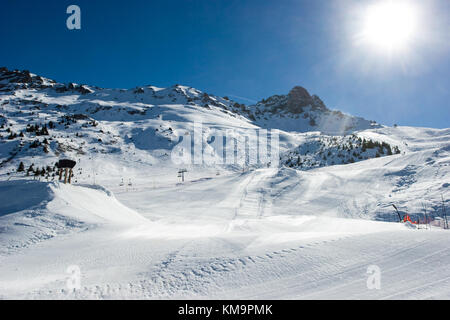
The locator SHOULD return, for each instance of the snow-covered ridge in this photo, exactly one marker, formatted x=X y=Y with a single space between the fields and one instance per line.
x=297 y=111
x=176 y=94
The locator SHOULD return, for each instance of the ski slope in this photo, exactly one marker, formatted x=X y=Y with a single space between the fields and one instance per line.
x=275 y=257
x=135 y=231
x=273 y=233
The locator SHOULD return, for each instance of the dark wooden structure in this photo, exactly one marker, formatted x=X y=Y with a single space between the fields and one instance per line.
x=181 y=173
x=66 y=166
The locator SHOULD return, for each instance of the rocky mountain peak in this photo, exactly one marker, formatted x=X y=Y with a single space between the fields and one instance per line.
x=299 y=98
x=16 y=79
x=300 y=111
x=299 y=94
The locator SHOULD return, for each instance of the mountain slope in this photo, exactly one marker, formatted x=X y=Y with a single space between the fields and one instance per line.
x=41 y=120
x=299 y=111
x=308 y=228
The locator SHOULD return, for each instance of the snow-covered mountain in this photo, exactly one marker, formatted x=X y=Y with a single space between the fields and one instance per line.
x=43 y=119
x=307 y=228
x=301 y=112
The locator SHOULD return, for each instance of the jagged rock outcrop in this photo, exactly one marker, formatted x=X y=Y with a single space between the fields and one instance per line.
x=16 y=79
x=298 y=98
x=301 y=111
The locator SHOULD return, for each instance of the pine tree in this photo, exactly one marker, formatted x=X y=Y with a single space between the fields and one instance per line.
x=35 y=144
x=21 y=167
x=43 y=131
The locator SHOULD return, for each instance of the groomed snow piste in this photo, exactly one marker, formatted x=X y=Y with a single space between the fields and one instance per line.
x=135 y=231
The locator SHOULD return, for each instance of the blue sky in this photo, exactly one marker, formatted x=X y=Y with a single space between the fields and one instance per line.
x=246 y=49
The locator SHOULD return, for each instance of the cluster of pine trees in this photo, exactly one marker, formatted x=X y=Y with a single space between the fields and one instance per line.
x=46 y=172
x=369 y=144
x=337 y=150
x=37 y=130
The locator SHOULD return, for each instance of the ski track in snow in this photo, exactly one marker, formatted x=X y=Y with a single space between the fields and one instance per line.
x=311 y=270
x=250 y=255
x=254 y=203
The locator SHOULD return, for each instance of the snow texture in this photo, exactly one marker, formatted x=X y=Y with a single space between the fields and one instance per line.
x=306 y=229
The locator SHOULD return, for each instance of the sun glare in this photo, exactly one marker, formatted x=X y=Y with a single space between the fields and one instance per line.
x=390 y=25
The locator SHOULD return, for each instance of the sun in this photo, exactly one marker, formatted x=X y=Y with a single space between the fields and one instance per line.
x=390 y=25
